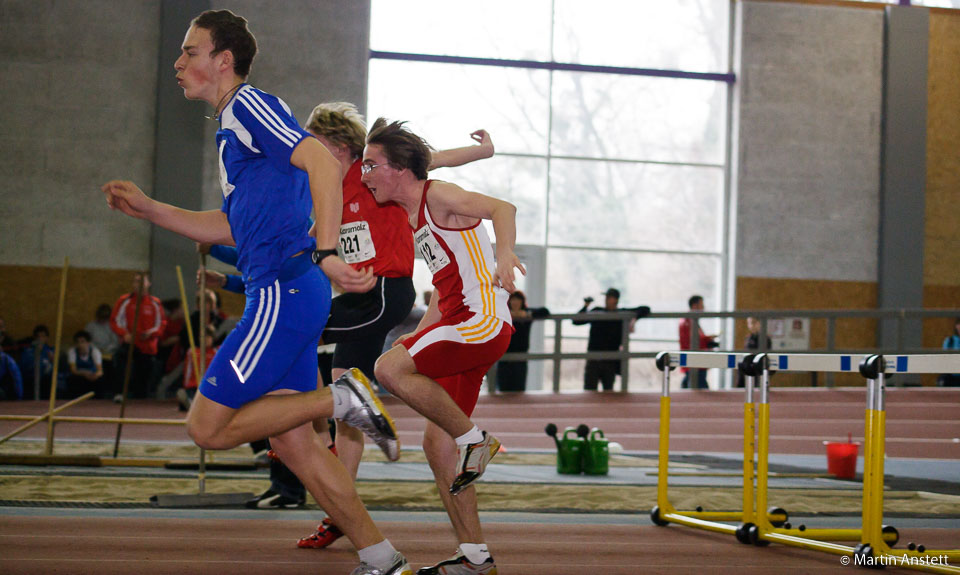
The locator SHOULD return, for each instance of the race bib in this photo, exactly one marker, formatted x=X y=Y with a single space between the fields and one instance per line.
x=356 y=243
x=430 y=249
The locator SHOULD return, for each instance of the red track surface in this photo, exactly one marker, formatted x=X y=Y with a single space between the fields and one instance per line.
x=921 y=422
x=107 y=546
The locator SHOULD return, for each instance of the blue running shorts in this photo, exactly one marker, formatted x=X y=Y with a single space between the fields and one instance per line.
x=274 y=346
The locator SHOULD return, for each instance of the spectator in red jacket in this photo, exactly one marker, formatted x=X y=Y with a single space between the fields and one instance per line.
x=145 y=337
x=705 y=342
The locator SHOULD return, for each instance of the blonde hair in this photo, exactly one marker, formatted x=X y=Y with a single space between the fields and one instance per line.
x=341 y=123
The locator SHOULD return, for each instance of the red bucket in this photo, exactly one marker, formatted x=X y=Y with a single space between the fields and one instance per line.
x=842 y=459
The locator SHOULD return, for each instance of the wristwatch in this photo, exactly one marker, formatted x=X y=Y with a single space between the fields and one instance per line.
x=319 y=255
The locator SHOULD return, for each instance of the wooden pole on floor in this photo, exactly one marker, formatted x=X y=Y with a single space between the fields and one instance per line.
x=48 y=415
x=48 y=450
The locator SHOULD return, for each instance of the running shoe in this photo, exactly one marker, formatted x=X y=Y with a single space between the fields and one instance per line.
x=472 y=461
x=460 y=565
x=271 y=499
x=399 y=567
x=367 y=414
x=326 y=534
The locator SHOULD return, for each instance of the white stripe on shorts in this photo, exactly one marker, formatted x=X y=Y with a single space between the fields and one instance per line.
x=248 y=355
x=253 y=329
x=266 y=339
x=452 y=333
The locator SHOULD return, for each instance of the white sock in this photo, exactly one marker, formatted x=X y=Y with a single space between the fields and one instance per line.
x=472 y=436
x=476 y=553
x=342 y=400
x=380 y=555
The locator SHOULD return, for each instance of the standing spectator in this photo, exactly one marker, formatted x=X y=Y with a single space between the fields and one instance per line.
x=86 y=367
x=103 y=338
x=705 y=342
x=11 y=382
x=169 y=351
x=37 y=357
x=951 y=342
x=186 y=393
x=512 y=375
x=214 y=318
x=752 y=343
x=170 y=337
x=152 y=321
x=605 y=335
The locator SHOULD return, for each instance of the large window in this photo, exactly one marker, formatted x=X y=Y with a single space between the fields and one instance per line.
x=610 y=124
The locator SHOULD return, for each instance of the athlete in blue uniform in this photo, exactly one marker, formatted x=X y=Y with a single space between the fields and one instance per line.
x=273 y=175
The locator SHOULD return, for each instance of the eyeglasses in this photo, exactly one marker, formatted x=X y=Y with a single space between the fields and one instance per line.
x=367 y=168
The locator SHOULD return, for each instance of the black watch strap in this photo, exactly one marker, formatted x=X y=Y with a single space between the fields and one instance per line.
x=319 y=255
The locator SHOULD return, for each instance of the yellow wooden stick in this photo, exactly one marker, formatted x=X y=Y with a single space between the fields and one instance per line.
x=56 y=354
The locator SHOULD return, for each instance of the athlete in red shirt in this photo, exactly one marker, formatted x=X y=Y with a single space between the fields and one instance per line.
x=372 y=236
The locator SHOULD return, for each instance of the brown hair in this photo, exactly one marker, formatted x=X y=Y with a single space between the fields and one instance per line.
x=229 y=32
x=341 y=123
x=403 y=148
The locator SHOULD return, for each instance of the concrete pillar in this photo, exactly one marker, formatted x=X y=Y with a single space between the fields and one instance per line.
x=180 y=139
x=903 y=170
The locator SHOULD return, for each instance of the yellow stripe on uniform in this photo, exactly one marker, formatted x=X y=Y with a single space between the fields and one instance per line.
x=485 y=271
x=483 y=275
x=486 y=334
x=478 y=328
x=471 y=251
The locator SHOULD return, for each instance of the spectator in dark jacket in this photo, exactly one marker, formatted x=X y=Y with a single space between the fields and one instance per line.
x=512 y=374
x=606 y=335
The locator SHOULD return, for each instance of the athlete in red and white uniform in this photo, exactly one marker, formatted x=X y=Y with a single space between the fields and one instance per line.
x=475 y=326
x=438 y=369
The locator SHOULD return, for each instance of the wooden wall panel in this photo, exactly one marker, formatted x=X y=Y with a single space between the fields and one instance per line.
x=29 y=295
x=935 y=330
x=941 y=261
x=774 y=294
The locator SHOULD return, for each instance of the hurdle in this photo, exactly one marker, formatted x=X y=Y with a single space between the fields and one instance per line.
x=665 y=512
x=875 y=547
x=759 y=366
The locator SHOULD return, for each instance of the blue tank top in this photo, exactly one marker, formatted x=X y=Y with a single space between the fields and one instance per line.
x=266 y=199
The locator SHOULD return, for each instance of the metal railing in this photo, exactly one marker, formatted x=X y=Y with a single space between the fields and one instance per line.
x=624 y=355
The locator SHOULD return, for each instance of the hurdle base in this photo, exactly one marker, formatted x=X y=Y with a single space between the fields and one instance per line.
x=200 y=500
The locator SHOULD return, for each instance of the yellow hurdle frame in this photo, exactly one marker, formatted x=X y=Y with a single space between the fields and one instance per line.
x=761 y=528
x=872 y=543
x=665 y=512
x=796 y=537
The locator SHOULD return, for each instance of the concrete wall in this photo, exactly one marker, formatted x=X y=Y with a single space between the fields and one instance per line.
x=809 y=141
x=79 y=104
x=80 y=89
